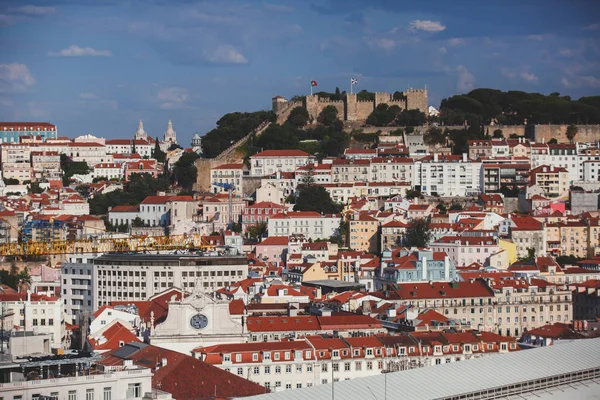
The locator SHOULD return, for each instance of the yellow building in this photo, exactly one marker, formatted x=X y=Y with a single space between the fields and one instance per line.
x=363 y=233
x=510 y=248
x=573 y=239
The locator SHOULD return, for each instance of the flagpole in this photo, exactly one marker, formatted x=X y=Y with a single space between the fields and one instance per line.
x=351 y=85
x=311 y=86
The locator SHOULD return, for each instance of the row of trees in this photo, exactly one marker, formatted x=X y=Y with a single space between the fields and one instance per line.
x=385 y=115
x=481 y=106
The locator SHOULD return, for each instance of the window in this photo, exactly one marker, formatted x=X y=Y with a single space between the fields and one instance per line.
x=256 y=370
x=299 y=368
x=240 y=371
x=278 y=369
x=336 y=367
x=309 y=368
x=324 y=369
x=369 y=365
x=227 y=357
x=134 y=390
x=72 y=395
x=238 y=358
x=254 y=356
x=358 y=366
x=267 y=370
x=276 y=356
x=347 y=366
x=266 y=356
x=89 y=394
x=288 y=369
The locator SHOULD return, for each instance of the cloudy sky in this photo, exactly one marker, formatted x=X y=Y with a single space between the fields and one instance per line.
x=98 y=66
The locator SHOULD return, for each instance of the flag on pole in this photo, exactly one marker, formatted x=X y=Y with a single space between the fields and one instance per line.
x=352 y=83
x=313 y=83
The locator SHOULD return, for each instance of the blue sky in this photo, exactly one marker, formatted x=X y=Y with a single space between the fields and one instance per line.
x=98 y=66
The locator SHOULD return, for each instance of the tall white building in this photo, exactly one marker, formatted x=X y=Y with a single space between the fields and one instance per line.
x=447 y=175
x=141 y=134
x=135 y=277
x=271 y=161
x=308 y=223
x=170 y=134
x=77 y=288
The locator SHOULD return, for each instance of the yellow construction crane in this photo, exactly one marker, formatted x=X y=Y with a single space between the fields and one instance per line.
x=106 y=245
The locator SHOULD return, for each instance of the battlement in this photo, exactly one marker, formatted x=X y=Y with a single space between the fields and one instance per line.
x=352 y=109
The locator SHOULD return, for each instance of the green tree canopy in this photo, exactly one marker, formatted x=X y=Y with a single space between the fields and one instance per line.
x=158 y=154
x=572 y=131
x=328 y=116
x=315 y=198
x=434 y=135
x=298 y=117
x=184 y=171
x=418 y=233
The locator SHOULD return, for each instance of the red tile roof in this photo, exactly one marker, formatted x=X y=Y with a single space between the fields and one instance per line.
x=188 y=378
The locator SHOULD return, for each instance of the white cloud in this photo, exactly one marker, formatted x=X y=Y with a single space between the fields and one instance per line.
x=225 y=54
x=427 y=26
x=33 y=10
x=592 y=27
x=381 y=43
x=277 y=7
x=528 y=76
x=578 y=81
x=466 y=80
x=76 y=51
x=509 y=73
x=173 y=98
x=565 y=82
x=565 y=53
x=15 y=78
x=443 y=50
x=88 y=96
x=536 y=38
x=456 y=42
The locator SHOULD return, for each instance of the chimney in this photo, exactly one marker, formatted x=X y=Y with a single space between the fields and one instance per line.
x=464 y=157
x=278 y=174
x=435 y=157
x=447 y=268
x=163 y=362
x=424 y=263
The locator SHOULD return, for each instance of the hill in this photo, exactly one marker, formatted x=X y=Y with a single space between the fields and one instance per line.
x=481 y=106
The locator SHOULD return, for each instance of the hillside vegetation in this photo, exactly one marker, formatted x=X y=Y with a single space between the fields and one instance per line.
x=481 y=106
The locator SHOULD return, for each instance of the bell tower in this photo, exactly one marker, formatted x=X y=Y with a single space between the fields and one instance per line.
x=140 y=134
x=170 y=134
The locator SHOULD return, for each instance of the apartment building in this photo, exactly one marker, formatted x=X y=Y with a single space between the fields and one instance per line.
x=36 y=313
x=496 y=177
x=560 y=155
x=447 y=175
x=526 y=232
x=133 y=277
x=227 y=174
x=399 y=265
x=349 y=171
x=466 y=250
x=503 y=306
x=393 y=234
x=77 y=288
x=270 y=161
x=364 y=231
x=308 y=223
x=12 y=132
x=260 y=212
x=108 y=171
x=288 y=365
x=554 y=181
x=392 y=169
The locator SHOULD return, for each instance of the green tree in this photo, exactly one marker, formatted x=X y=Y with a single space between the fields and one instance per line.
x=35 y=188
x=433 y=136
x=572 y=131
x=257 y=230
x=442 y=207
x=14 y=269
x=418 y=233
x=133 y=149
x=328 y=116
x=498 y=134
x=137 y=222
x=158 y=154
x=315 y=198
x=455 y=206
x=298 y=117
x=552 y=141
x=24 y=280
x=184 y=171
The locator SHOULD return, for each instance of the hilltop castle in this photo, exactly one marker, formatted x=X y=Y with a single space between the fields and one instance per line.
x=351 y=109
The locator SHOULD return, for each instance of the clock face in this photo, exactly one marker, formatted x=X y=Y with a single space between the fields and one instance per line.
x=199 y=321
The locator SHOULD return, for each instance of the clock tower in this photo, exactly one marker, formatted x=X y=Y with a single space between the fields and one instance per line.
x=197 y=320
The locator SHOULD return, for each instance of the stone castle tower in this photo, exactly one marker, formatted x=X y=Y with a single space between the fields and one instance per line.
x=197 y=144
x=170 y=134
x=140 y=134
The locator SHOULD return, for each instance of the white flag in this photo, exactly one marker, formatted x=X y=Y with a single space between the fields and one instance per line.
x=353 y=81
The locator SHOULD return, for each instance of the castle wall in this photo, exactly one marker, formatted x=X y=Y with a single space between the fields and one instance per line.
x=364 y=109
x=339 y=105
x=586 y=133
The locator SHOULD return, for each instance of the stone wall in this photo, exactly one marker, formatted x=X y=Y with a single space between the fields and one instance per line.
x=352 y=109
x=586 y=133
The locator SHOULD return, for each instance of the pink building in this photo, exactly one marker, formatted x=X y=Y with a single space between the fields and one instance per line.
x=272 y=249
x=260 y=212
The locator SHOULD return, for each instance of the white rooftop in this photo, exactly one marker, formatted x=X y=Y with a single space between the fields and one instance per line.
x=475 y=375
